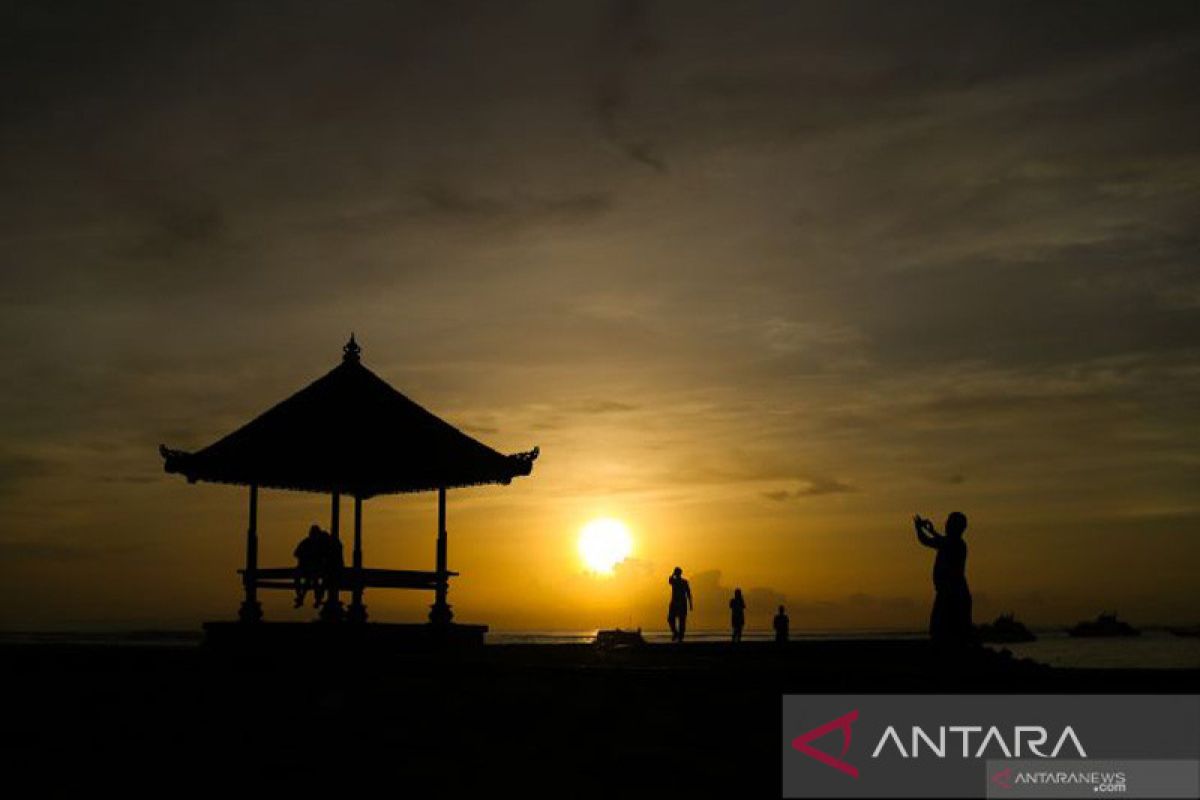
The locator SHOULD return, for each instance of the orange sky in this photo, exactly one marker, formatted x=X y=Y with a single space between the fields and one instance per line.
x=761 y=285
x=144 y=548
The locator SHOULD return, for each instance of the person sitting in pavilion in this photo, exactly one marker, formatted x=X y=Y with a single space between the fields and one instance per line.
x=309 y=555
x=333 y=561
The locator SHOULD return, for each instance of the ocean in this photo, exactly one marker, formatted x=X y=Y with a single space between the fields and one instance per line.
x=1154 y=649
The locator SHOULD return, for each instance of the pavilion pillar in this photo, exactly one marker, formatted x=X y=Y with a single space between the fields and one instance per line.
x=357 y=611
x=251 y=610
x=332 y=610
x=440 y=613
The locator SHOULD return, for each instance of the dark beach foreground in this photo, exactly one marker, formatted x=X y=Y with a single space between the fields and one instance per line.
x=700 y=719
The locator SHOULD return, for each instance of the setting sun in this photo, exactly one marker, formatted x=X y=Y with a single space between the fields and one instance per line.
x=604 y=543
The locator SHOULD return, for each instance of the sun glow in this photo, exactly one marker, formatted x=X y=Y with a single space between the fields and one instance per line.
x=604 y=543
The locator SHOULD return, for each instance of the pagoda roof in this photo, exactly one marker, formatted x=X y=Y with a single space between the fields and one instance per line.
x=349 y=432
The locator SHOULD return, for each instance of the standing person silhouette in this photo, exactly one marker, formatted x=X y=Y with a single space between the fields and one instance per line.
x=737 y=614
x=781 y=623
x=681 y=603
x=950 y=620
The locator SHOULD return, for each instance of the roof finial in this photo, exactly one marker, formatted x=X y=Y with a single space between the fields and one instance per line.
x=351 y=351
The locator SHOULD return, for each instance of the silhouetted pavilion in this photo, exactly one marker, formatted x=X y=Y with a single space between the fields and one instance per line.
x=350 y=433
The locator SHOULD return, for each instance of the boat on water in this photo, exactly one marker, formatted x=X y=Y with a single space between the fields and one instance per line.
x=1106 y=624
x=1191 y=630
x=1006 y=629
x=617 y=639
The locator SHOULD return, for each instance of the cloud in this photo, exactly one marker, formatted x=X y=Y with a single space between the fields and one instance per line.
x=606 y=407
x=440 y=200
x=11 y=550
x=134 y=479
x=863 y=600
x=16 y=467
x=713 y=596
x=634 y=569
x=644 y=586
x=813 y=487
x=177 y=226
x=626 y=42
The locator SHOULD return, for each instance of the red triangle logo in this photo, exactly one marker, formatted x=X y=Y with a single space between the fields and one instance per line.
x=842 y=723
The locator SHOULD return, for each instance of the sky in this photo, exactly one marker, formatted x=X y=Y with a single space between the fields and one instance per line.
x=761 y=280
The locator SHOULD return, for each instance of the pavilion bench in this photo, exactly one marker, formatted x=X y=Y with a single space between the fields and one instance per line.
x=351 y=578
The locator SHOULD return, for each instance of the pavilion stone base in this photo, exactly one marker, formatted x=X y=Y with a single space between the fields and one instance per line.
x=371 y=636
